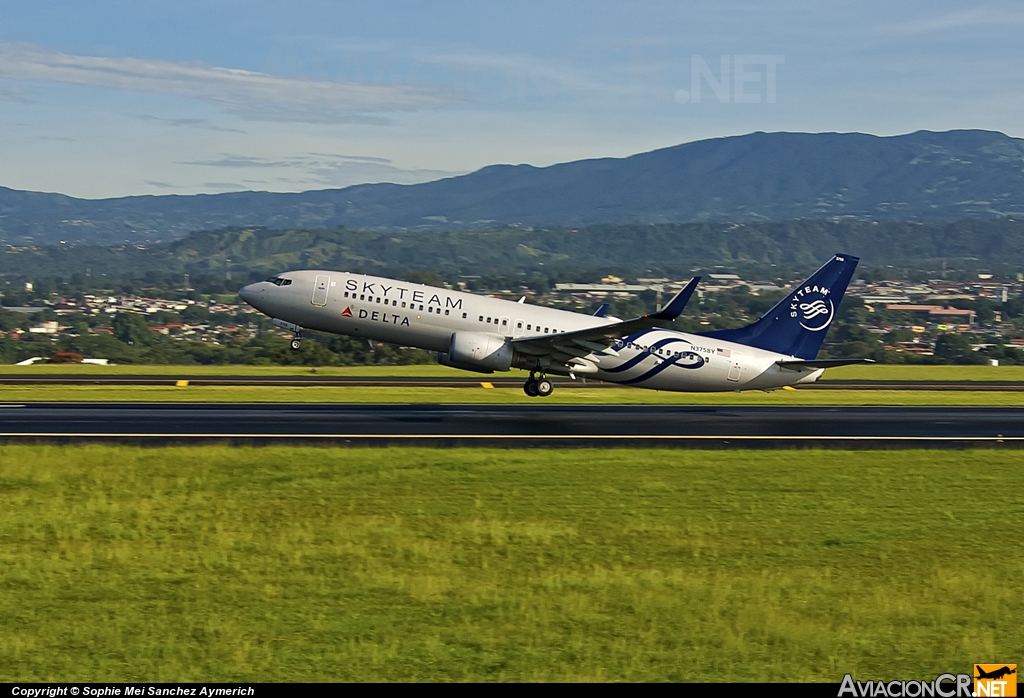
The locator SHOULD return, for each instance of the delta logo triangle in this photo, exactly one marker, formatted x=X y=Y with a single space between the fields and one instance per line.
x=347 y=312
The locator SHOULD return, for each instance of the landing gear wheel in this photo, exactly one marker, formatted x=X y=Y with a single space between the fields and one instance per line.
x=530 y=387
x=296 y=343
x=544 y=387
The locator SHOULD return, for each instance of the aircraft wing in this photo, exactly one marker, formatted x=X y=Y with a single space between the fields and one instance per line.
x=814 y=364
x=565 y=346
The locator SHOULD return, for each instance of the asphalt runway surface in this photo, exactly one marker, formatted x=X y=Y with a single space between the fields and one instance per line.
x=459 y=382
x=513 y=425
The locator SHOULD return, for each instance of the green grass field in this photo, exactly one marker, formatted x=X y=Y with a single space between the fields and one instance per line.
x=418 y=370
x=878 y=372
x=279 y=564
x=889 y=372
x=480 y=395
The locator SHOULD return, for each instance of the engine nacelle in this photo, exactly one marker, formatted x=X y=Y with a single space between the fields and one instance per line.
x=478 y=351
x=445 y=360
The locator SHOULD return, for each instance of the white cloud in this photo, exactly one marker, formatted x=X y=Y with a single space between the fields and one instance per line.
x=185 y=123
x=14 y=94
x=326 y=169
x=250 y=95
x=974 y=17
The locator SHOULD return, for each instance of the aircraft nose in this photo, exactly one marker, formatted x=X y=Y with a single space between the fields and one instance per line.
x=251 y=292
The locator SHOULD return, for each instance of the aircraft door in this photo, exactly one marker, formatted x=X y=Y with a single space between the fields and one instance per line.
x=517 y=328
x=736 y=368
x=506 y=325
x=320 y=287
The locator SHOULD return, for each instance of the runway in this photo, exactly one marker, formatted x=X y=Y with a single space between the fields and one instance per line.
x=513 y=425
x=457 y=382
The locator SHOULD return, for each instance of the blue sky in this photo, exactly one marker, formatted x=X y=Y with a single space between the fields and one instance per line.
x=112 y=98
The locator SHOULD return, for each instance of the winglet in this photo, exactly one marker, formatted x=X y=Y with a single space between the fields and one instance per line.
x=601 y=311
x=674 y=308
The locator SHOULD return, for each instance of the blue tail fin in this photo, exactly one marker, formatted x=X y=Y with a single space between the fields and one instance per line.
x=797 y=325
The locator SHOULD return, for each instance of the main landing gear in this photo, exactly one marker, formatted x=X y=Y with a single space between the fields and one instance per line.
x=538 y=387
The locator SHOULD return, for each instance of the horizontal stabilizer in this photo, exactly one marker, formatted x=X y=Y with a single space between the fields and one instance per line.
x=814 y=364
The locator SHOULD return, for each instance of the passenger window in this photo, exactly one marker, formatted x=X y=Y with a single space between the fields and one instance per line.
x=446 y=312
x=529 y=327
x=463 y=316
x=403 y=304
x=504 y=322
x=421 y=307
x=378 y=300
x=488 y=320
x=362 y=297
x=519 y=325
x=481 y=318
x=545 y=330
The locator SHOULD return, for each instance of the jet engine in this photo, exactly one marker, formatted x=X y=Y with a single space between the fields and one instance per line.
x=478 y=351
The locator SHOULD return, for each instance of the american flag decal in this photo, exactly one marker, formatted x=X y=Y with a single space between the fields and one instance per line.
x=723 y=352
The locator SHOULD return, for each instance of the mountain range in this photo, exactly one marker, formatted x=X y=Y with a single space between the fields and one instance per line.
x=759 y=177
x=754 y=250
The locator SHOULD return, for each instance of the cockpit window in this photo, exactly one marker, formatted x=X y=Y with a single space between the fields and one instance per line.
x=278 y=281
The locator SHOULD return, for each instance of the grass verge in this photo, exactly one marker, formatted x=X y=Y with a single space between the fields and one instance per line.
x=306 y=564
x=574 y=396
x=877 y=372
x=418 y=370
x=890 y=372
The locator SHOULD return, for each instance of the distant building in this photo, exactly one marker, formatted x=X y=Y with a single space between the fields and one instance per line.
x=49 y=327
x=937 y=313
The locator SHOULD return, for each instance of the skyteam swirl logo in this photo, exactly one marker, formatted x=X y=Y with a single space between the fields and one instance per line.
x=812 y=308
x=669 y=351
x=688 y=359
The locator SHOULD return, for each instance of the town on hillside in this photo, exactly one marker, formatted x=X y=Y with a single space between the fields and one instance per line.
x=896 y=321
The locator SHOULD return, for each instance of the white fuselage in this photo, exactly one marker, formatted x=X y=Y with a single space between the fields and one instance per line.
x=409 y=314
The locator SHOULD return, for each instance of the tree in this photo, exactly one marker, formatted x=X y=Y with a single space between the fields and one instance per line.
x=956 y=348
x=131 y=328
x=427 y=278
x=195 y=314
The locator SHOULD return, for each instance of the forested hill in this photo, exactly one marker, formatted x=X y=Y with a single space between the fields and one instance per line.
x=637 y=250
x=757 y=177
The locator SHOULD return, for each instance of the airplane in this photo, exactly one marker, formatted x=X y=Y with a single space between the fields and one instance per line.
x=485 y=334
x=995 y=674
